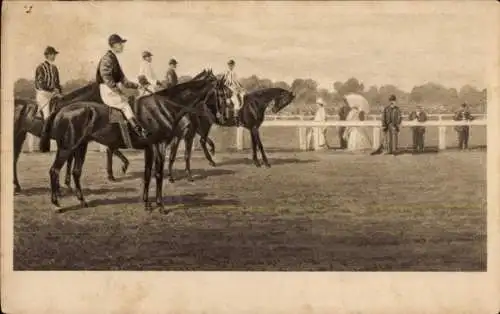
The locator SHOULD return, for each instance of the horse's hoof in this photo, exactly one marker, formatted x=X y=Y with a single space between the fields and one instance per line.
x=56 y=205
x=111 y=178
x=164 y=210
x=171 y=180
x=148 y=208
x=124 y=168
x=84 y=204
x=267 y=165
x=257 y=164
x=190 y=178
x=213 y=164
x=17 y=189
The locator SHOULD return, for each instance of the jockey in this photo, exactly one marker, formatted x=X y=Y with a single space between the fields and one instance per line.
x=147 y=77
x=171 y=78
x=235 y=86
x=111 y=78
x=47 y=83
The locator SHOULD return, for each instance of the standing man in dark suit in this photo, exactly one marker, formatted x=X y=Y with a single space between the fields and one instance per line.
x=391 y=122
x=171 y=78
x=343 y=112
x=463 y=130
x=418 y=131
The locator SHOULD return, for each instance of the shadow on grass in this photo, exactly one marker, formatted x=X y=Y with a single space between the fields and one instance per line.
x=272 y=161
x=67 y=192
x=188 y=201
x=178 y=174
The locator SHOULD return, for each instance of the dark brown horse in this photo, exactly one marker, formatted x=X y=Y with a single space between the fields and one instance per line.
x=26 y=120
x=199 y=125
x=75 y=125
x=251 y=115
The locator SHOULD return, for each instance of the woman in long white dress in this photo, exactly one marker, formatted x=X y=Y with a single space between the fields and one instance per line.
x=357 y=137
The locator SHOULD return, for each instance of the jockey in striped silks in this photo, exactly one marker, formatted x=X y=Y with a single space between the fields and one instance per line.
x=47 y=83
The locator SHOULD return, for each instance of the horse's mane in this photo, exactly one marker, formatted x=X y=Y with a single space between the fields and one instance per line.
x=174 y=90
x=266 y=91
x=77 y=92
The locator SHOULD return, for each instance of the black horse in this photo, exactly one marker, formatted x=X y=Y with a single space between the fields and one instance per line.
x=26 y=121
x=75 y=125
x=251 y=115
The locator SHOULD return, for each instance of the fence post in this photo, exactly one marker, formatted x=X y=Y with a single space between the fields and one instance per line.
x=442 y=137
x=376 y=137
x=302 y=136
x=239 y=138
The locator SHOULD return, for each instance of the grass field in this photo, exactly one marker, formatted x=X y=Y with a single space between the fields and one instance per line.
x=310 y=211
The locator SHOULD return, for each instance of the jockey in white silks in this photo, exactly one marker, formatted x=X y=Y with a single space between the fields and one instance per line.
x=47 y=83
x=235 y=86
x=147 y=76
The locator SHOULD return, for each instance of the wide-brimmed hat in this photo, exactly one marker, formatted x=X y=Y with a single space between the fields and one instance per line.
x=115 y=39
x=392 y=98
x=320 y=101
x=50 y=51
x=231 y=62
x=172 y=61
x=146 y=54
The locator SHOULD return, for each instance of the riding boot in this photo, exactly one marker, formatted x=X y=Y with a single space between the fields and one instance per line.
x=237 y=117
x=139 y=130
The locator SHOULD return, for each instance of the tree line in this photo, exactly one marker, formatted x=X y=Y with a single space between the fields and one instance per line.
x=434 y=97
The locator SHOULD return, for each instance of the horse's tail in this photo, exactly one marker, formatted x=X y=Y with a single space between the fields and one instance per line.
x=22 y=113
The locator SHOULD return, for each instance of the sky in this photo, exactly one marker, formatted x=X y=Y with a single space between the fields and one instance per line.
x=404 y=44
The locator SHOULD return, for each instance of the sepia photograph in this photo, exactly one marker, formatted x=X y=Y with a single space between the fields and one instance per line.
x=249 y=136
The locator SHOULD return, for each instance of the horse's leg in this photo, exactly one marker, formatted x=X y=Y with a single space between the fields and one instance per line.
x=159 y=165
x=148 y=163
x=79 y=156
x=208 y=156
x=18 y=146
x=124 y=160
x=67 y=179
x=254 y=149
x=188 y=149
x=212 y=145
x=62 y=156
x=174 y=146
x=109 y=164
x=261 y=147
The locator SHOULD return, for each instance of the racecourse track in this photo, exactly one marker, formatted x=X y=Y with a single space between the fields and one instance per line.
x=311 y=211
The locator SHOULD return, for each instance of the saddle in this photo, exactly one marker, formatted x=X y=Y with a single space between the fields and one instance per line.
x=226 y=115
x=116 y=116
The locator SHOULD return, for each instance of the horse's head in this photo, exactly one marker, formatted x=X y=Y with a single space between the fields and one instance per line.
x=283 y=99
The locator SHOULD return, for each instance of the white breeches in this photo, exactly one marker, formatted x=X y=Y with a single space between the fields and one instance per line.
x=114 y=100
x=43 y=99
x=237 y=98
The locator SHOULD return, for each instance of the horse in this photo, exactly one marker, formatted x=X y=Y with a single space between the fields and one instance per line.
x=197 y=126
x=251 y=115
x=75 y=125
x=26 y=120
x=90 y=92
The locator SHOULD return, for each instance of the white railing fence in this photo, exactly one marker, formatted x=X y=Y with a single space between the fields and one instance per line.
x=304 y=124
